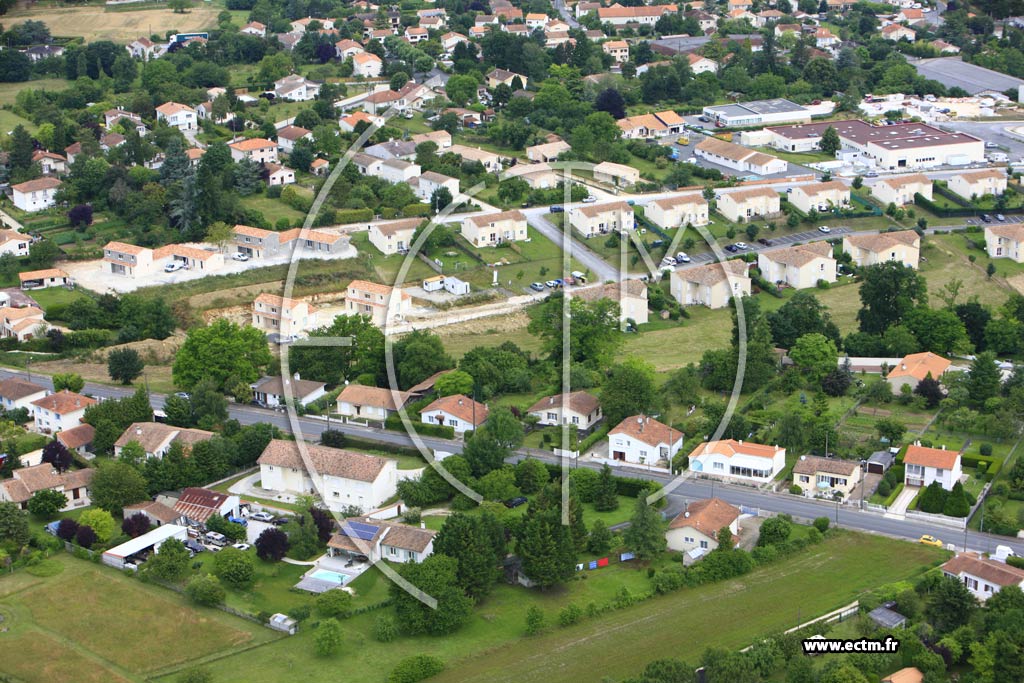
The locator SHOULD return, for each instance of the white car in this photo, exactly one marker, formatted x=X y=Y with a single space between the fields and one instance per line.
x=241 y=546
x=741 y=245
x=682 y=257
x=261 y=516
x=589 y=199
x=824 y=229
x=173 y=266
x=239 y=256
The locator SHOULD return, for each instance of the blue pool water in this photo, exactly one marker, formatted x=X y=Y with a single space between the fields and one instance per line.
x=327 y=575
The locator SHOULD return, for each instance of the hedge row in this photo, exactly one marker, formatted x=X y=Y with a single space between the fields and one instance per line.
x=624 y=486
x=942 y=212
x=394 y=422
x=987 y=466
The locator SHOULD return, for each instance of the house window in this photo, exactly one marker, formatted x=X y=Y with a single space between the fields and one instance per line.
x=552 y=416
x=719 y=466
x=453 y=422
x=688 y=539
x=575 y=420
x=703 y=544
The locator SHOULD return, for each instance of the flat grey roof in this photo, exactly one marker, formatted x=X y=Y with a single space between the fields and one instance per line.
x=732 y=110
x=887 y=618
x=953 y=72
x=777 y=106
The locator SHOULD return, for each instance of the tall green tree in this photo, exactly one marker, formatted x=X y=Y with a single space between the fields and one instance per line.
x=645 y=535
x=628 y=390
x=889 y=291
x=829 y=143
x=983 y=378
x=546 y=547
x=465 y=539
x=117 y=484
x=594 y=334
x=605 y=491
x=221 y=352
x=436 y=576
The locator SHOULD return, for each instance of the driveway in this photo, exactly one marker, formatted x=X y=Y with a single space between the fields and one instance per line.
x=600 y=269
x=899 y=506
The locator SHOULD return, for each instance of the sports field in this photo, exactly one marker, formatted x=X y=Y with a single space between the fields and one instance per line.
x=89 y=624
x=121 y=26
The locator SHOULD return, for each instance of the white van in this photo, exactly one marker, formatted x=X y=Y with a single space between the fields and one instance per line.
x=215 y=538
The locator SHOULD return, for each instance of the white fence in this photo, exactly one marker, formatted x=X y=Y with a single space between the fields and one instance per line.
x=957 y=522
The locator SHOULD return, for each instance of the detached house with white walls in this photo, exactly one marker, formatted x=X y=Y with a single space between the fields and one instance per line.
x=394 y=237
x=983 y=576
x=712 y=285
x=17 y=393
x=27 y=481
x=260 y=150
x=380 y=302
x=741 y=460
x=799 y=267
x=925 y=465
x=378 y=539
x=59 y=411
x=678 y=210
x=599 y=219
x=976 y=184
x=578 y=408
x=642 y=440
x=289 y=318
x=361 y=404
x=820 y=196
x=156 y=438
x=490 y=230
x=867 y=250
x=176 y=115
x=695 y=529
x=342 y=478
x=35 y=195
x=277 y=391
x=459 y=412
x=900 y=190
x=1005 y=241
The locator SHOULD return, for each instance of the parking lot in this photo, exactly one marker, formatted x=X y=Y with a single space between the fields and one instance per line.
x=773 y=243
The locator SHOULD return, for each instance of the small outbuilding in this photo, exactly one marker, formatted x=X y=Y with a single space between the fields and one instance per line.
x=880 y=462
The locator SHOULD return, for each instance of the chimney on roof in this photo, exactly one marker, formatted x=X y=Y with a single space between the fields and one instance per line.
x=138 y=430
x=423 y=525
x=943 y=446
x=296 y=376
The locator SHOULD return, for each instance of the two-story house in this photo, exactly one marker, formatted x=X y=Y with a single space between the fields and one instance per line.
x=900 y=190
x=18 y=393
x=598 y=219
x=678 y=210
x=731 y=459
x=177 y=115
x=394 y=237
x=289 y=318
x=820 y=196
x=867 y=250
x=1005 y=241
x=642 y=440
x=260 y=150
x=746 y=205
x=971 y=185
x=925 y=465
x=492 y=229
x=799 y=267
x=712 y=285
x=57 y=412
x=380 y=302
x=35 y=195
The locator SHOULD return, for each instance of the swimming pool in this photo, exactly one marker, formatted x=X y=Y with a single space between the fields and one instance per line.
x=328 y=575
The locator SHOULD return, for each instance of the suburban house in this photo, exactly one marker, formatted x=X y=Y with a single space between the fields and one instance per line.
x=18 y=393
x=180 y=116
x=378 y=539
x=925 y=465
x=27 y=481
x=197 y=505
x=897 y=32
x=976 y=184
x=441 y=138
x=630 y=294
x=429 y=182
x=14 y=243
x=867 y=250
x=490 y=230
x=983 y=576
x=260 y=150
x=22 y=323
x=656 y=125
x=596 y=219
x=712 y=285
x=57 y=412
x=700 y=64
x=548 y=151
x=617 y=15
x=279 y=175
x=914 y=368
x=254 y=28
x=491 y=162
x=367 y=65
x=900 y=190
x=1005 y=241
x=826 y=476
x=145 y=49
x=397 y=170
x=77 y=439
x=394 y=237
x=35 y=195
x=289 y=135
x=799 y=267
x=50 y=163
x=618 y=49
x=618 y=175
x=362 y=404
x=289 y=318
x=274 y=391
x=738 y=158
x=697 y=527
x=578 y=408
x=296 y=88
x=502 y=77
x=157 y=513
x=459 y=412
x=342 y=478
x=156 y=438
x=380 y=302
x=820 y=196
x=41 y=279
x=746 y=205
x=680 y=210
x=738 y=460
x=539 y=176
x=258 y=243
x=642 y=440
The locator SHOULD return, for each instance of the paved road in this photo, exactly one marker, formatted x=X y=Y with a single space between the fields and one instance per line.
x=566 y=13
x=689 y=490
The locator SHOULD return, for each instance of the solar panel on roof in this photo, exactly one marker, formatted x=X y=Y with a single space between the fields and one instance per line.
x=364 y=532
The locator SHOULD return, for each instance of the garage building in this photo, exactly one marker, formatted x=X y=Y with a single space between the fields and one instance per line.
x=149 y=542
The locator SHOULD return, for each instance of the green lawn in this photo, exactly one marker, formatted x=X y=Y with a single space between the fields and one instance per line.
x=9 y=91
x=272 y=209
x=90 y=623
x=492 y=647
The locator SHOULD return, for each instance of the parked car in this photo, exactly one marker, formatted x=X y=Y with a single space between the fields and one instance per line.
x=871 y=174
x=515 y=502
x=991 y=145
x=765 y=242
x=824 y=229
x=682 y=257
x=173 y=266
x=183 y=394
x=742 y=246
x=194 y=546
x=703 y=119
x=986 y=218
x=215 y=538
x=262 y=516
x=668 y=262
x=731 y=248
x=239 y=256
x=1001 y=218
x=241 y=546
x=551 y=284
x=537 y=286
x=928 y=539
x=238 y=520
x=556 y=209
x=589 y=199
x=280 y=521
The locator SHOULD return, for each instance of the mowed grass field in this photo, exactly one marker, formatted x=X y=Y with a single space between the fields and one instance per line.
x=88 y=623
x=96 y=23
x=492 y=647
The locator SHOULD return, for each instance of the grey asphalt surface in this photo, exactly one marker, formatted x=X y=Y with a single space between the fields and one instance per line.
x=689 y=490
x=600 y=269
